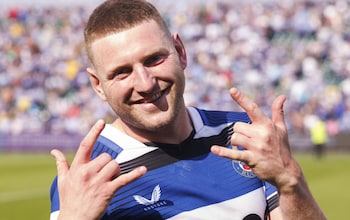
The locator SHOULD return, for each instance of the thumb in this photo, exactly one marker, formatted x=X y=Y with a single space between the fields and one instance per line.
x=277 y=111
x=61 y=162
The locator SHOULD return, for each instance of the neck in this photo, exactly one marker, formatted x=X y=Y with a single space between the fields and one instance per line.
x=173 y=133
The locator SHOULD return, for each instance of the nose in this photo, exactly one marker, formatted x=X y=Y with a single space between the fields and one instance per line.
x=144 y=81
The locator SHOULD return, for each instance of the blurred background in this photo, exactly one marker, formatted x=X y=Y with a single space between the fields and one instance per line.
x=298 y=48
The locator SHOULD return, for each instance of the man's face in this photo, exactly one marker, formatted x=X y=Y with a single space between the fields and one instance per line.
x=140 y=73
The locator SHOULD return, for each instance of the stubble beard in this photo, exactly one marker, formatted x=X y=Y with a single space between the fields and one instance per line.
x=158 y=121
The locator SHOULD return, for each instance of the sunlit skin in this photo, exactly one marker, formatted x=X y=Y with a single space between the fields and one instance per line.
x=140 y=73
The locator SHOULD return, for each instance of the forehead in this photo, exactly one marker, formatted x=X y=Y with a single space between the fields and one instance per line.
x=141 y=38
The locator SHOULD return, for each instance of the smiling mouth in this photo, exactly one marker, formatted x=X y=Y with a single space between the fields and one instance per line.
x=151 y=98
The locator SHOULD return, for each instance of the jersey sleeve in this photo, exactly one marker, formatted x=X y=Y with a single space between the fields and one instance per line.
x=272 y=198
x=55 y=205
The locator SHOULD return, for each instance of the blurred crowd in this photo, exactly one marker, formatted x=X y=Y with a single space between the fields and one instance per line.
x=265 y=48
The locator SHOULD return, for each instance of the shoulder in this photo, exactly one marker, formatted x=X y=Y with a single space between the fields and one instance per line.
x=119 y=145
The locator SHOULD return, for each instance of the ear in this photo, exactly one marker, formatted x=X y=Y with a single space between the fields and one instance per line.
x=180 y=48
x=96 y=83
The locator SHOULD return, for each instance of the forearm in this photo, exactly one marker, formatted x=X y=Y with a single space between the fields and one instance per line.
x=70 y=214
x=296 y=200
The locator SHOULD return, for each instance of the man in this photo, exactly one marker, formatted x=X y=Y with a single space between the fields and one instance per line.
x=194 y=170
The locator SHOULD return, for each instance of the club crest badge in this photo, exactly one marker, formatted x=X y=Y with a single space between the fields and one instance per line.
x=243 y=169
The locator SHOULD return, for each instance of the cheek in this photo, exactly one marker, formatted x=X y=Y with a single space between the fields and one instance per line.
x=117 y=93
x=174 y=71
x=115 y=103
x=113 y=97
x=181 y=80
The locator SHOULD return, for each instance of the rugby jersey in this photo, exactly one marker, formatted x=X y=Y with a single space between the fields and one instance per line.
x=184 y=181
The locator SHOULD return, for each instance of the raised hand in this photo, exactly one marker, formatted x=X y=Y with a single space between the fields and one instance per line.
x=86 y=187
x=265 y=141
x=267 y=152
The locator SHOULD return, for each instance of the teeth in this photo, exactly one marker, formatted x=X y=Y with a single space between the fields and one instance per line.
x=154 y=97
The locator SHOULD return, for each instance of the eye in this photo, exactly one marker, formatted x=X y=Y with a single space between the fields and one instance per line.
x=155 y=60
x=120 y=73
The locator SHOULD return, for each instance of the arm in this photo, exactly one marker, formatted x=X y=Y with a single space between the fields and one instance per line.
x=87 y=186
x=267 y=152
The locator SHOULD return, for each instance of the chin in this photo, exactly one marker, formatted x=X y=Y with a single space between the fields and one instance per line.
x=156 y=125
x=158 y=122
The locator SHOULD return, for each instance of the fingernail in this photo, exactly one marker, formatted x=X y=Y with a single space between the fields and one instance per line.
x=52 y=152
x=234 y=91
x=214 y=149
x=142 y=169
x=100 y=123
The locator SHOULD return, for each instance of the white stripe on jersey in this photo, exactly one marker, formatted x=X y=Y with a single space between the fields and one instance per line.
x=241 y=207
x=134 y=148
x=54 y=215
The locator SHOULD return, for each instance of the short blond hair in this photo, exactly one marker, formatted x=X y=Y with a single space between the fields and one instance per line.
x=113 y=16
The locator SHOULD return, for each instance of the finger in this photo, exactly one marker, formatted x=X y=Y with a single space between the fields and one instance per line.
x=245 y=129
x=240 y=155
x=110 y=171
x=238 y=139
x=127 y=178
x=61 y=162
x=252 y=109
x=99 y=163
x=84 y=151
x=277 y=111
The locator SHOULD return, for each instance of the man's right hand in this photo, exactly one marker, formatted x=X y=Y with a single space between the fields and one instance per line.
x=87 y=186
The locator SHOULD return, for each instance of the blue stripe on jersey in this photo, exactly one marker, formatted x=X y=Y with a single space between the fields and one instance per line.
x=185 y=185
x=54 y=196
x=214 y=118
x=104 y=145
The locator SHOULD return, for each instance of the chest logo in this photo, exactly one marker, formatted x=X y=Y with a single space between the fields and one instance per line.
x=155 y=197
x=154 y=202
